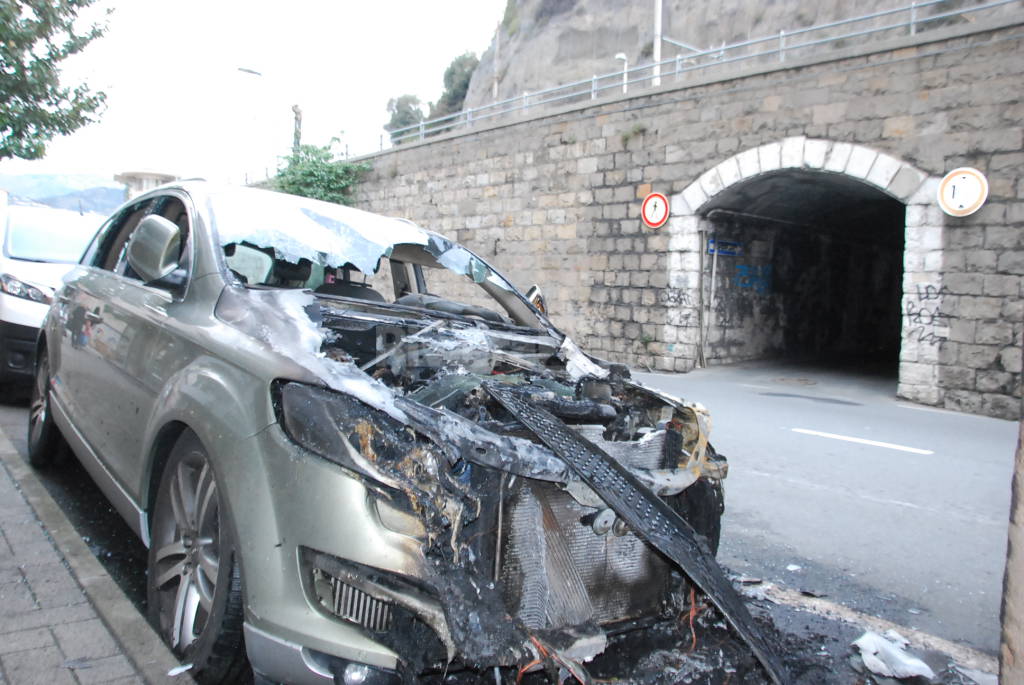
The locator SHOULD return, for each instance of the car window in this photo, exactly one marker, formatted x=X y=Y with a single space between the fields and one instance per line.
x=169 y=207
x=98 y=240
x=113 y=236
x=248 y=264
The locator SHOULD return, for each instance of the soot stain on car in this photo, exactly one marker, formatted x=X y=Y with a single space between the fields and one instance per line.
x=529 y=562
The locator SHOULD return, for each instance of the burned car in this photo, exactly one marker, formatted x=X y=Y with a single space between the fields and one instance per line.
x=358 y=454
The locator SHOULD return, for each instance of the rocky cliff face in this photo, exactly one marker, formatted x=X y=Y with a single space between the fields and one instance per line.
x=543 y=43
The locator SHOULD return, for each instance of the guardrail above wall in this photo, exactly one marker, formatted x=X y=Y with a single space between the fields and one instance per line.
x=917 y=17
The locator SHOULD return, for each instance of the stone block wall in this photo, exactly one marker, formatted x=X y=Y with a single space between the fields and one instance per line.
x=555 y=199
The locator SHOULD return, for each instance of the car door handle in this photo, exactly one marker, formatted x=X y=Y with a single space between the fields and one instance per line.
x=92 y=316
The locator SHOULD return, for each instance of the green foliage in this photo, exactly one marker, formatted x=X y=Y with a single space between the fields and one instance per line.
x=635 y=131
x=456 y=83
x=405 y=111
x=314 y=172
x=35 y=37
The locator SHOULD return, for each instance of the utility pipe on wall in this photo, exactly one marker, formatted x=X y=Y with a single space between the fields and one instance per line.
x=711 y=299
x=702 y=236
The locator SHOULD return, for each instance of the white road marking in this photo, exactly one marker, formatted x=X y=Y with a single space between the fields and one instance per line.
x=862 y=441
x=963 y=655
x=952 y=512
x=935 y=410
x=757 y=387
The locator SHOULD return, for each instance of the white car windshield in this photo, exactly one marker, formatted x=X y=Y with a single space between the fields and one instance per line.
x=44 y=234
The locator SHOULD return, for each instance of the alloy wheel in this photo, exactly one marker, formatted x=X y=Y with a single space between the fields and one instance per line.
x=187 y=557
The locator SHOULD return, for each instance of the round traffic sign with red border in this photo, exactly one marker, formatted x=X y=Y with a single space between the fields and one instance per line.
x=654 y=210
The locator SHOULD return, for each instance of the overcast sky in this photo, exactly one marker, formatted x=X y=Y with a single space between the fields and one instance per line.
x=177 y=102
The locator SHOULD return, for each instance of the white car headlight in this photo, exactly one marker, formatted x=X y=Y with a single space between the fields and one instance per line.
x=12 y=286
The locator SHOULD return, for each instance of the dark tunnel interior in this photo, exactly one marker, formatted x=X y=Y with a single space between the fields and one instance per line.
x=810 y=268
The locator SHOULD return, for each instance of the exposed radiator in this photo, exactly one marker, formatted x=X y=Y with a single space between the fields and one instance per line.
x=557 y=572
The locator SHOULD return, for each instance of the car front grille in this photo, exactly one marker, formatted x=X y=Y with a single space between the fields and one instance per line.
x=351 y=604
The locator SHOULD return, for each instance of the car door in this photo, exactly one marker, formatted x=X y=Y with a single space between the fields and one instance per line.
x=127 y=351
x=75 y=372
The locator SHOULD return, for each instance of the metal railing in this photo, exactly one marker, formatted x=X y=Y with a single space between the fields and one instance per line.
x=776 y=48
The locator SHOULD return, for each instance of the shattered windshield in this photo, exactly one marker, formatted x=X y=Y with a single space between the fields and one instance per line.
x=296 y=228
x=277 y=240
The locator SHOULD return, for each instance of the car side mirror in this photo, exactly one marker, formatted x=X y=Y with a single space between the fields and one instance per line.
x=536 y=298
x=154 y=248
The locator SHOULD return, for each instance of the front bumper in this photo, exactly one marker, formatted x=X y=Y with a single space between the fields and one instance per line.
x=280 y=660
x=17 y=351
x=300 y=501
x=297 y=665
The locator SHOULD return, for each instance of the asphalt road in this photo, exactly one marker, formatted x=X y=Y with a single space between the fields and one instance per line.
x=917 y=538
x=913 y=531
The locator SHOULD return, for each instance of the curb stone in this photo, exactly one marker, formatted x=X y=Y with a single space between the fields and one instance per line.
x=133 y=634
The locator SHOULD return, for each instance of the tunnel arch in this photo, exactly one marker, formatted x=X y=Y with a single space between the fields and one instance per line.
x=795 y=220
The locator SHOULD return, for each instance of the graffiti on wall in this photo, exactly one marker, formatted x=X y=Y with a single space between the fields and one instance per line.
x=676 y=297
x=756 y=278
x=928 y=324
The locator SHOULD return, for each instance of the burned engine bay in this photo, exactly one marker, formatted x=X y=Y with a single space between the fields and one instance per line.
x=546 y=502
x=557 y=503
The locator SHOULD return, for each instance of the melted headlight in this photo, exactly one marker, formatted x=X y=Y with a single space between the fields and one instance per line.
x=344 y=430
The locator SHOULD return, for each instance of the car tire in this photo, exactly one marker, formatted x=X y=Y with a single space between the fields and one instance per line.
x=194 y=585
x=46 y=445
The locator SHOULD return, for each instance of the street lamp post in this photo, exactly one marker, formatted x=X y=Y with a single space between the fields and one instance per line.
x=297 y=129
x=296 y=113
x=656 y=81
x=625 y=71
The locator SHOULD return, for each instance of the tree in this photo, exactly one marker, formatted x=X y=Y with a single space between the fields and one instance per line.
x=35 y=37
x=405 y=111
x=313 y=171
x=456 y=83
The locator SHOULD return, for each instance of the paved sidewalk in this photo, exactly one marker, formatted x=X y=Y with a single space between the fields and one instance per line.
x=62 y=618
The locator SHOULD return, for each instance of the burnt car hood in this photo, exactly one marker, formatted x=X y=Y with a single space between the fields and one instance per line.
x=481 y=429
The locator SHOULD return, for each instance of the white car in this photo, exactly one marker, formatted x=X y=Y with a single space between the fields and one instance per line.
x=38 y=246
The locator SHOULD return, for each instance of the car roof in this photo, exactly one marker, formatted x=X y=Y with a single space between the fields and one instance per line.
x=199 y=188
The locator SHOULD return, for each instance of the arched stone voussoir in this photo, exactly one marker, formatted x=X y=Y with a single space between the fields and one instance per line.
x=884 y=172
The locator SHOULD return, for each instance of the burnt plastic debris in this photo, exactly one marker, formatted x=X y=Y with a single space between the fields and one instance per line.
x=648 y=516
